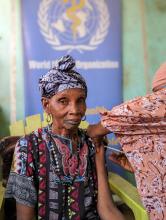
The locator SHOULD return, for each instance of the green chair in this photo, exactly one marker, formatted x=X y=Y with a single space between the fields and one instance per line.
x=128 y=194
x=17 y=128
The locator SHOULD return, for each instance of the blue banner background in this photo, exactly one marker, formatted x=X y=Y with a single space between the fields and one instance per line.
x=105 y=84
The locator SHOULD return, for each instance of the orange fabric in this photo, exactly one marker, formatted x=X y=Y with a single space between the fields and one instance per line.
x=159 y=79
x=140 y=126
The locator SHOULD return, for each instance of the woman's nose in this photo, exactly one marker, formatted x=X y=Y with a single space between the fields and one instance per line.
x=74 y=108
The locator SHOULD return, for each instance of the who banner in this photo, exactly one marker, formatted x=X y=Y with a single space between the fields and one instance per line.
x=89 y=30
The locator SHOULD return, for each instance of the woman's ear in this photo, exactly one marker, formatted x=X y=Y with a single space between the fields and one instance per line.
x=45 y=103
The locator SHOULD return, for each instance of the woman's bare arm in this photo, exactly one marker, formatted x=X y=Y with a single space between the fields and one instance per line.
x=25 y=212
x=106 y=208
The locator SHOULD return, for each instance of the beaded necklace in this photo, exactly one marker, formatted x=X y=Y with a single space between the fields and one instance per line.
x=65 y=163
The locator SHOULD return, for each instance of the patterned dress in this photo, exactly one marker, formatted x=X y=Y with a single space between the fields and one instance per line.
x=48 y=175
x=140 y=125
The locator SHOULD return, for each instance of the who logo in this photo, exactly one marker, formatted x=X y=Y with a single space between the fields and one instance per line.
x=73 y=25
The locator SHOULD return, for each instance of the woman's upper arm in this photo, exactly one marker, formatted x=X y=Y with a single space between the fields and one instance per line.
x=25 y=212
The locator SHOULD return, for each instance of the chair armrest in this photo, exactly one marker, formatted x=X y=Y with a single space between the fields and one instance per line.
x=2 y=192
x=128 y=194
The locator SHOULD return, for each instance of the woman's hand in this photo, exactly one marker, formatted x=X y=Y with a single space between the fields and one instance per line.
x=96 y=130
x=122 y=161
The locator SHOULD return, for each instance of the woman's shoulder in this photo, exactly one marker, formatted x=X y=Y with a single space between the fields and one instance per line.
x=38 y=133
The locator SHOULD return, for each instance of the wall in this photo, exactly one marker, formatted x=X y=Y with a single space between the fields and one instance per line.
x=4 y=66
x=144 y=45
x=144 y=49
x=11 y=65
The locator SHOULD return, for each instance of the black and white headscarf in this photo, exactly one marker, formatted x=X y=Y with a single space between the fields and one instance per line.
x=61 y=77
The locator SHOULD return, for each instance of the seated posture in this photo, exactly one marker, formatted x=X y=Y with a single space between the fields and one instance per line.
x=56 y=174
x=140 y=126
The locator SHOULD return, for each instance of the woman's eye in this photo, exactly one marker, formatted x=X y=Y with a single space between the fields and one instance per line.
x=81 y=100
x=63 y=101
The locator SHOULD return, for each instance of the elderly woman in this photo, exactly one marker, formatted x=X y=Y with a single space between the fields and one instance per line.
x=140 y=125
x=54 y=175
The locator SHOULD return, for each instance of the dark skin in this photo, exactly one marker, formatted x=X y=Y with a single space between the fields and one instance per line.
x=97 y=130
x=25 y=212
x=67 y=109
x=106 y=208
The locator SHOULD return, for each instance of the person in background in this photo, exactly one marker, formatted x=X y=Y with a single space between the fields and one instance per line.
x=56 y=174
x=140 y=126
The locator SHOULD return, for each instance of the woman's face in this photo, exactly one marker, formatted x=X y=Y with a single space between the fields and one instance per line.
x=67 y=108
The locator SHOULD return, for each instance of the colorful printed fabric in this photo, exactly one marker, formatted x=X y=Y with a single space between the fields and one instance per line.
x=140 y=126
x=47 y=174
x=61 y=77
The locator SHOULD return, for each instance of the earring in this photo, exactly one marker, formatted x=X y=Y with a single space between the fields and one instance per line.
x=84 y=118
x=49 y=118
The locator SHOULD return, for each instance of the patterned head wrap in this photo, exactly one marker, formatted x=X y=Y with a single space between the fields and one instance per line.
x=159 y=80
x=61 y=77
